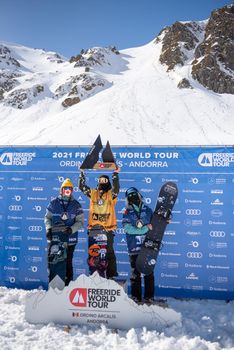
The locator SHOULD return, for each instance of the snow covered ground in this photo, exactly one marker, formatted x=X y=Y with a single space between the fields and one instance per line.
x=206 y=325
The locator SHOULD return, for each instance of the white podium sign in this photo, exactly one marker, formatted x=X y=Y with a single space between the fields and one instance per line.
x=95 y=300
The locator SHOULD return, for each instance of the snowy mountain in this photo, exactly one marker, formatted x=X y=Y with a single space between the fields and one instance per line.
x=176 y=90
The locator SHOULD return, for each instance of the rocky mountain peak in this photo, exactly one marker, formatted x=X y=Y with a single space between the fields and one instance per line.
x=213 y=65
x=94 y=56
x=207 y=46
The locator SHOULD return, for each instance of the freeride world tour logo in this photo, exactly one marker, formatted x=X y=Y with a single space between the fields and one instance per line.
x=16 y=158
x=216 y=159
x=93 y=298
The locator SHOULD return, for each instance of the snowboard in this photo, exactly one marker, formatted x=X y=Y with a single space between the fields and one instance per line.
x=57 y=252
x=91 y=160
x=97 y=249
x=148 y=254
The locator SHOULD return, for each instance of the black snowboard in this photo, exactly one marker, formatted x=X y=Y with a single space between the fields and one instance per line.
x=147 y=257
x=57 y=252
x=91 y=160
x=97 y=249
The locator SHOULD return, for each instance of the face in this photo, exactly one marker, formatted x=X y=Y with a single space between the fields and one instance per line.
x=67 y=191
x=133 y=198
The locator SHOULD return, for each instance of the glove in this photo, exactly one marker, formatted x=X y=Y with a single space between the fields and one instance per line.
x=68 y=230
x=49 y=234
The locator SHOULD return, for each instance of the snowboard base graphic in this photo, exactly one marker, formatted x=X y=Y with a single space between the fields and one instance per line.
x=97 y=249
x=147 y=257
x=57 y=252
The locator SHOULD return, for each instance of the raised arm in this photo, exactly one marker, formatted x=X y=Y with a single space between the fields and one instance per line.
x=82 y=185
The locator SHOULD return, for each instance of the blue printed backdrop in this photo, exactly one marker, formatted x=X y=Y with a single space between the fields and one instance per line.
x=197 y=255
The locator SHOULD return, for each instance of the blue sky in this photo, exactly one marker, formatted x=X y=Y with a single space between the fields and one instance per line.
x=67 y=26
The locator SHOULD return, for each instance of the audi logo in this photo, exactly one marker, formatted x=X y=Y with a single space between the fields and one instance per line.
x=218 y=234
x=35 y=228
x=15 y=207
x=193 y=212
x=194 y=255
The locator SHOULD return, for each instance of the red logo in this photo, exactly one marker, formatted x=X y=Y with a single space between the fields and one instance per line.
x=78 y=297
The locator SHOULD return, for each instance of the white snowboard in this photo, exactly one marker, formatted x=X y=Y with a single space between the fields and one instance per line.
x=95 y=300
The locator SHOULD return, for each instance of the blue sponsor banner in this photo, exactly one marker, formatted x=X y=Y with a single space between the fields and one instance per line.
x=196 y=259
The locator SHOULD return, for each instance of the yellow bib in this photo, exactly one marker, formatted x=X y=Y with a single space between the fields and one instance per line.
x=102 y=210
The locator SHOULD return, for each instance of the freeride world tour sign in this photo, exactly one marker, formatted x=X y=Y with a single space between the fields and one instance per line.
x=94 y=301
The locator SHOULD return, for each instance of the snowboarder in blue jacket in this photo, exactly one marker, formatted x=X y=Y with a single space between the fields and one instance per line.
x=136 y=223
x=65 y=209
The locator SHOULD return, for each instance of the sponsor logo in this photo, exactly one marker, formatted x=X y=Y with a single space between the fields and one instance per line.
x=35 y=228
x=37 y=208
x=189 y=222
x=218 y=279
x=218 y=267
x=193 y=212
x=152 y=262
x=13 y=258
x=217 y=245
x=193 y=233
x=193 y=201
x=218 y=181
x=17 y=198
x=33 y=178
x=216 y=159
x=194 y=255
x=16 y=158
x=216 y=191
x=194 y=244
x=14 y=228
x=78 y=297
x=217 y=256
x=216 y=213
x=15 y=207
x=216 y=202
x=193 y=266
x=37 y=188
x=93 y=298
x=217 y=234
x=17 y=179
x=210 y=222
x=169 y=265
x=194 y=180
x=192 y=276
x=168 y=275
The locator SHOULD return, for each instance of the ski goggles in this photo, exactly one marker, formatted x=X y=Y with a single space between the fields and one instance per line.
x=103 y=180
x=132 y=191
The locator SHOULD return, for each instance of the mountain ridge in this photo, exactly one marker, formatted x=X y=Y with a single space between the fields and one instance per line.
x=146 y=95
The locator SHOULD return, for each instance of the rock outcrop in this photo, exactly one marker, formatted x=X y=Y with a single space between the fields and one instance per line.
x=208 y=47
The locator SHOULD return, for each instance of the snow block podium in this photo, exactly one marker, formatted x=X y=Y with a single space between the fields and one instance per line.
x=95 y=300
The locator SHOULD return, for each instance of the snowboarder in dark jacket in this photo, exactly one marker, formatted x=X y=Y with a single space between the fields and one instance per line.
x=65 y=209
x=136 y=223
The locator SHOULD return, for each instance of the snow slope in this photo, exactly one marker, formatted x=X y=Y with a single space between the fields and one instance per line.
x=206 y=325
x=140 y=104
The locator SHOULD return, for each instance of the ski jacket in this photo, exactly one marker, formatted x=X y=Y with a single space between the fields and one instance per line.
x=135 y=235
x=75 y=220
x=102 y=206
